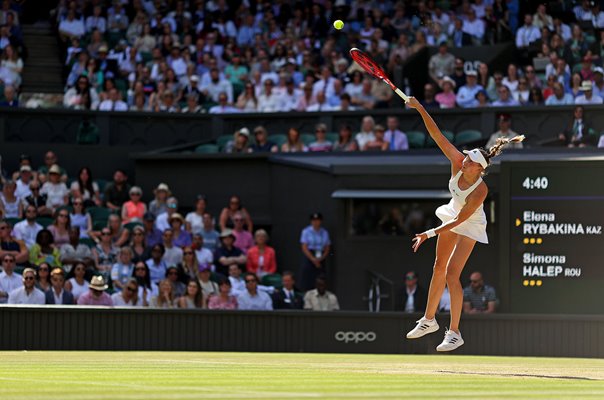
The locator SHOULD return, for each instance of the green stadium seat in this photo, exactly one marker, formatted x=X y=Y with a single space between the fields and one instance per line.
x=448 y=134
x=88 y=242
x=272 y=280
x=222 y=141
x=416 y=139
x=278 y=139
x=308 y=138
x=68 y=208
x=98 y=213
x=102 y=183
x=12 y=221
x=44 y=221
x=467 y=136
x=98 y=224
x=333 y=137
x=130 y=225
x=207 y=149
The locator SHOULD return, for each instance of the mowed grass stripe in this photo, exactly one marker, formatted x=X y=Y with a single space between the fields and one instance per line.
x=163 y=375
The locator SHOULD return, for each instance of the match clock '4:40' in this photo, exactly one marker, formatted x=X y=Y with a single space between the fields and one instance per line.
x=540 y=182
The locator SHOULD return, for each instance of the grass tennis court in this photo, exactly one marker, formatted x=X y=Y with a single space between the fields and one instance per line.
x=163 y=375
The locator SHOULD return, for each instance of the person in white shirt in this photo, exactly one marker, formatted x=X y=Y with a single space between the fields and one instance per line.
x=25 y=178
x=597 y=18
x=173 y=255
x=562 y=29
x=113 y=103
x=71 y=27
x=320 y=299
x=27 y=229
x=528 y=33
x=9 y=280
x=320 y=105
x=291 y=96
x=269 y=101
x=203 y=255
x=218 y=85
x=366 y=134
x=223 y=107
x=129 y=296
x=588 y=96
x=96 y=21
x=474 y=27
x=541 y=19
x=27 y=293
x=582 y=11
x=325 y=84
x=177 y=62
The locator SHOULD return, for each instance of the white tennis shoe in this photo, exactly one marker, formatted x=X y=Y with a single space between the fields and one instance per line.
x=423 y=327
x=451 y=342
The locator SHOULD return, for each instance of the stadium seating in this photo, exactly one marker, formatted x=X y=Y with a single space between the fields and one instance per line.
x=277 y=139
x=448 y=134
x=469 y=136
x=416 y=139
x=307 y=138
x=272 y=280
x=207 y=149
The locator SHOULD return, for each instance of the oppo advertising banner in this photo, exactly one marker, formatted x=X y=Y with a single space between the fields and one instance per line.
x=555 y=214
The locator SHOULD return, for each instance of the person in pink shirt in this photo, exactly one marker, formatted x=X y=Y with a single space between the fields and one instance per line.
x=134 y=209
x=243 y=238
x=223 y=300
x=261 y=258
x=96 y=295
x=446 y=98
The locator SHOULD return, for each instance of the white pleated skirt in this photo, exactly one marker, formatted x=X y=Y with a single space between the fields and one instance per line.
x=474 y=227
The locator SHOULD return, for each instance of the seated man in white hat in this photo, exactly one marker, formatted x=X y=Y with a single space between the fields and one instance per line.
x=96 y=295
x=588 y=96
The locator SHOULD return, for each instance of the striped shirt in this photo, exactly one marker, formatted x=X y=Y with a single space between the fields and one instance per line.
x=479 y=300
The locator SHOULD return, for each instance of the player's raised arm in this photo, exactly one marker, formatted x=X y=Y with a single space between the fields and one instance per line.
x=449 y=150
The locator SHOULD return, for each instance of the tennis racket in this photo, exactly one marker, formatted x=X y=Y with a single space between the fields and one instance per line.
x=375 y=70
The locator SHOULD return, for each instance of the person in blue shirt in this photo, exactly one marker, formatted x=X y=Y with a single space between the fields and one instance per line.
x=252 y=298
x=316 y=246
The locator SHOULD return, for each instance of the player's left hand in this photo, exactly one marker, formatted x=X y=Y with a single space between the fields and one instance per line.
x=418 y=240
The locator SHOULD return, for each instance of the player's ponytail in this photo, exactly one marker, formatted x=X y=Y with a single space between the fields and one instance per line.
x=497 y=148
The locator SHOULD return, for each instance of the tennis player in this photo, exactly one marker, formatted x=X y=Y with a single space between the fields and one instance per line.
x=463 y=224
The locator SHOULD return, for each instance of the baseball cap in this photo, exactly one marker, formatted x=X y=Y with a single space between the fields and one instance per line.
x=316 y=215
x=149 y=216
x=25 y=168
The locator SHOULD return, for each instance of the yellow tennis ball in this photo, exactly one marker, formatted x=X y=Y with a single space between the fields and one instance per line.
x=338 y=24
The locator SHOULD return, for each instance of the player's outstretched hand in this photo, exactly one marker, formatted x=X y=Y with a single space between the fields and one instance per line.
x=412 y=102
x=418 y=240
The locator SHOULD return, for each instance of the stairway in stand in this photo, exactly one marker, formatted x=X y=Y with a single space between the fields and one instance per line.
x=43 y=68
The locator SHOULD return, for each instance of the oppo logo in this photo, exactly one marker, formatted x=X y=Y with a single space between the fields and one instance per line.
x=355 y=337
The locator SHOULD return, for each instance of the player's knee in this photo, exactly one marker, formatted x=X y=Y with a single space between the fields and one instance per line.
x=440 y=268
x=452 y=276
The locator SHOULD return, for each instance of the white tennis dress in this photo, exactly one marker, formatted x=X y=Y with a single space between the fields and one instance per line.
x=474 y=227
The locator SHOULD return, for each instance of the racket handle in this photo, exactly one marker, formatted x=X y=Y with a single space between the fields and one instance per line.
x=401 y=94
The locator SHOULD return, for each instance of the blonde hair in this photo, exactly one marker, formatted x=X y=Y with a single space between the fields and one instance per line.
x=497 y=148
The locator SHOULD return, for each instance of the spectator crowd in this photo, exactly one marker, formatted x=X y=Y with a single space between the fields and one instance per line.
x=230 y=57
x=91 y=245
x=11 y=49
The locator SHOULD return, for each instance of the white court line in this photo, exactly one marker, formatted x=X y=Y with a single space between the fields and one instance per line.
x=219 y=393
